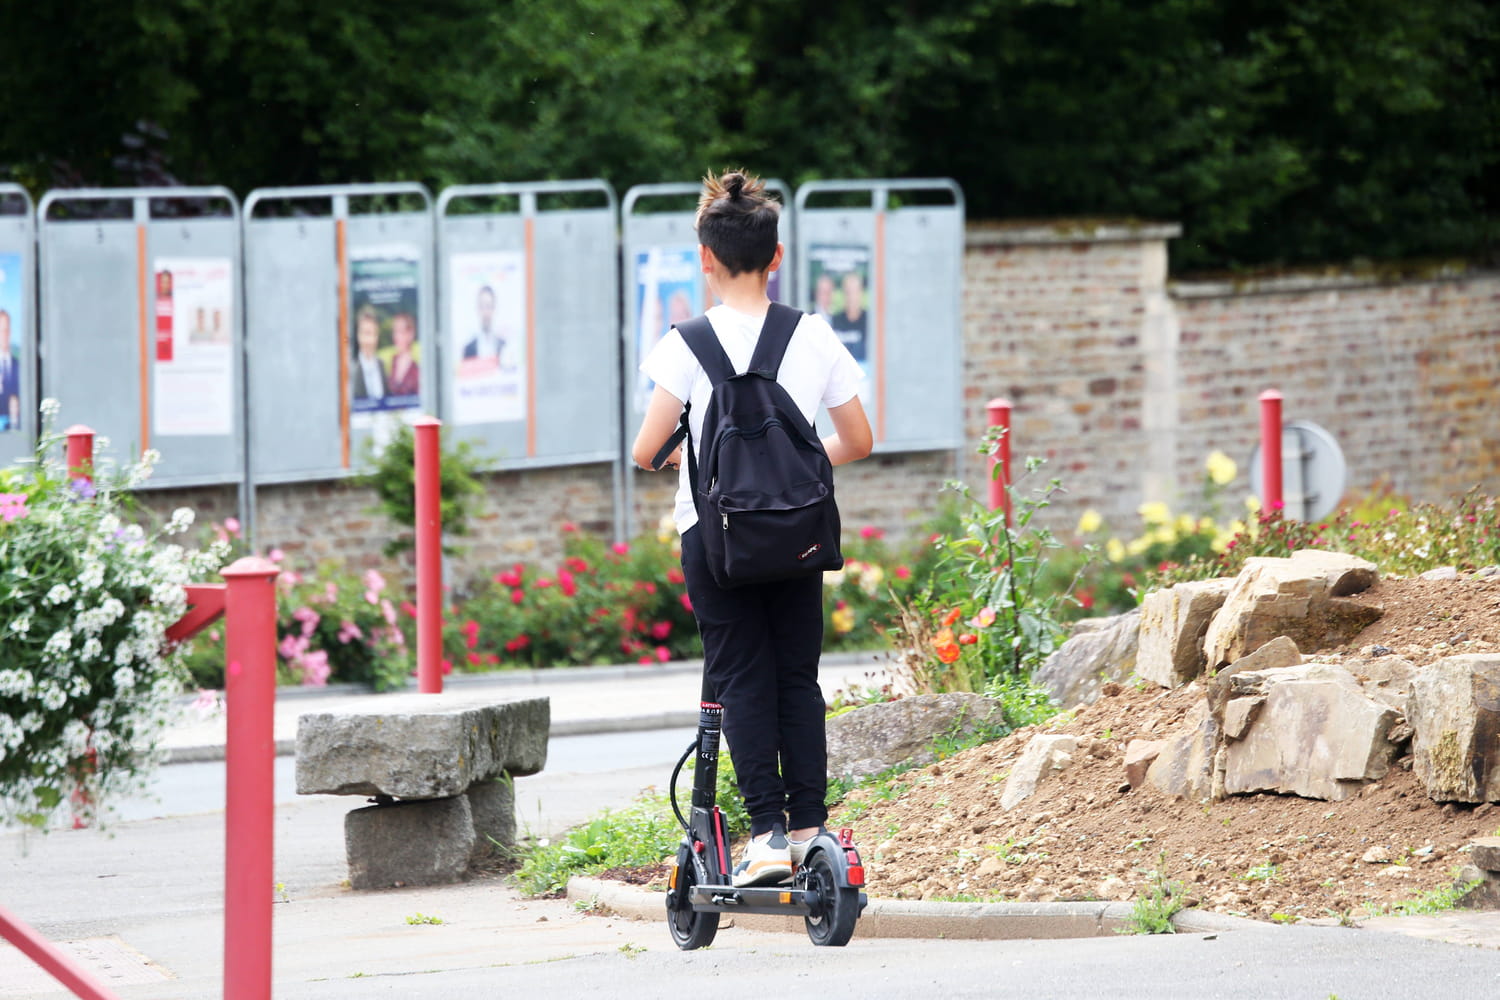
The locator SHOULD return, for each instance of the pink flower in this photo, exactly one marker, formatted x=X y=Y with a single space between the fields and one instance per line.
x=903 y=573
x=315 y=668
x=542 y=582
x=661 y=630
x=447 y=666
x=687 y=602
x=566 y=583
x=409 y=608
x=330 y=591
x=374 y=581
x=517 y=596
x=569 y=527
x=869 y=531
x=663 y=654
x=12 y=506
x=349 y=631
x=388 y=611
x=292 y=646
x=619 y=548
x=309 y=619
x=276 y=555
x=232 y=525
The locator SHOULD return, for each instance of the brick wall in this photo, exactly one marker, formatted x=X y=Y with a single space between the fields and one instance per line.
x=1121 y=380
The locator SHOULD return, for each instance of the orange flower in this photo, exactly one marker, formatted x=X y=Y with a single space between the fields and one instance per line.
x=968 y=639
x=943 y=638
x=952 y=616
x=948 y=652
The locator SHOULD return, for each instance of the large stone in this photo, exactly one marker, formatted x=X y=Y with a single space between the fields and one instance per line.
x=1279 y=652
x=492 y=804
x=1043 y=756
x=1184 y=768
x=1173 y=622
x=1455 y=712
x=1316 y=734
x=425 y=842
x=1139 y=756
x=874 y=738
x=1303 y=598
x=419 y=746
x=1484 y=852
x=1100 y=650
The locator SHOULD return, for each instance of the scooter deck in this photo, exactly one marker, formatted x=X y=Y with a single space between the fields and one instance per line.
x=781 y=899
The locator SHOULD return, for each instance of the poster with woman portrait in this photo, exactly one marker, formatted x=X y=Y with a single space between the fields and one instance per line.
x=668 y=290
x=487 y=324
x=385 y=350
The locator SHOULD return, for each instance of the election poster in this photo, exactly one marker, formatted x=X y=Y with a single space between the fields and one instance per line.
x=668 y=288
x=193 y=371
x=12 y=341
x=487 y=320
x=385 y=350
x=839 y=292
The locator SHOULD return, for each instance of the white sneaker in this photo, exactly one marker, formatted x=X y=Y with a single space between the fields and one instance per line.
x=765 y=862
x=798 y=848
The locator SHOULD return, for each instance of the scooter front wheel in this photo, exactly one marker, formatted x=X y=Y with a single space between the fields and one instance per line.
x=836 y=908
x=690 y=928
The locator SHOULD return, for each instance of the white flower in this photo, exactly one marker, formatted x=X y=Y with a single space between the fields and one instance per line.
x=51 y=695
x=182 y=520
x=11 y=735
x=60 y=593
x=50 y=408
x=92 y=577
x=124 y=679
x=21 y=625
x=92 y=648
x=14 y=682
x=31 y=722
x=60 y=643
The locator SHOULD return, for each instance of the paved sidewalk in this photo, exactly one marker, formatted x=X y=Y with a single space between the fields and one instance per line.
x=142 y=903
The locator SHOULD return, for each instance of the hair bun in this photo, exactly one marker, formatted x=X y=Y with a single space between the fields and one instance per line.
x=734 y=183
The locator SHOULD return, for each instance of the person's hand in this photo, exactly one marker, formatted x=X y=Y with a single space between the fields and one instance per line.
x=674 y=460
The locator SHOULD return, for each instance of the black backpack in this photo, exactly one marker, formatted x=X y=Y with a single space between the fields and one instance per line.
x=764 y=488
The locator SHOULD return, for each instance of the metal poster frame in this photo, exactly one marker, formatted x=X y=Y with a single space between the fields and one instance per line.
x=153 y=234
x=680 y=225
x=880 y=209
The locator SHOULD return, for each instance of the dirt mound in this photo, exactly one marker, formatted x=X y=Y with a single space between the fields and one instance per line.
x=939 y=832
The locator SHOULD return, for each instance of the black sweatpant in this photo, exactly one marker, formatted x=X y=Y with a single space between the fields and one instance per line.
x=761 y=646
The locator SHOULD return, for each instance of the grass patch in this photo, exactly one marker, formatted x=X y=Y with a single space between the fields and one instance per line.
x=640 y=834
x=1154 y=908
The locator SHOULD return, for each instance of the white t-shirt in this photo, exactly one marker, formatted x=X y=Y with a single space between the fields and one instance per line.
x=817 y=369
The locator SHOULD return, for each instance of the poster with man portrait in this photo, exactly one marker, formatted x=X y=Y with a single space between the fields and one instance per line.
x=668 y=290
x=12 y=341
x=192 y=375
x=385 y=349
x=839 y=292
x=487 y=320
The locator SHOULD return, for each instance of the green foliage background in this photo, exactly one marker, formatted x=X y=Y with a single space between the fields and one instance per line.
x=1277 y=132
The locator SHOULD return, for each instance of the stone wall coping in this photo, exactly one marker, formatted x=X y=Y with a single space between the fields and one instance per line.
x=1063 y=231
x=1333 y=281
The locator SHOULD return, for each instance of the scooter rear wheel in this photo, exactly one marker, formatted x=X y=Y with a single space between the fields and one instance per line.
x=690 y=928
x=832 y=922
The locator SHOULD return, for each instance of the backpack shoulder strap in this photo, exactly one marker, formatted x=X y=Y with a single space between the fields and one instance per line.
x=704 y=343
x=775 y=335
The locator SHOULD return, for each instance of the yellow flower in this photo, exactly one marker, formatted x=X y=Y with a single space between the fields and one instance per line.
x=666 y=529
x=1186 y=524
x=1252 y=504
x=1090 y=522
x=1155 y=512
x=1114 y=550
x=1221 y=468
x=1164 y=534
x=843 y=620
x=833 y=577
x=1138 y=545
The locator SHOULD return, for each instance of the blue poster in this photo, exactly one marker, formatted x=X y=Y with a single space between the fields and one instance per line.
x=668 y=290
x=12 y=335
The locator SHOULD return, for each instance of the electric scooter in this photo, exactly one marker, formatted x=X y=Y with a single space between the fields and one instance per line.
x=826 y=889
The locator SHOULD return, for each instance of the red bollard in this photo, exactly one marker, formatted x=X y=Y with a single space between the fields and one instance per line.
x=80 y=454
x=60 y=965
x=999 y=414
x=429 y=557
x=250 y=761
x=1270 y=449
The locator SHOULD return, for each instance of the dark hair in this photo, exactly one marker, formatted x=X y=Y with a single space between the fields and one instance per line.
x=737 y=221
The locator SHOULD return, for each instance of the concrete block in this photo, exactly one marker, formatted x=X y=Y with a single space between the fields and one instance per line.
x=493 y=807
x=418 y=747
x=425 y=842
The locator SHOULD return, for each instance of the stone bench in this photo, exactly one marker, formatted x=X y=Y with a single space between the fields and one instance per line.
x=439 y=768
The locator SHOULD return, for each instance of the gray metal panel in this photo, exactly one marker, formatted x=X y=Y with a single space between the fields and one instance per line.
x=291 y=348
x=91 y=333
x=18 y=299
x=293 y=335
x=571 y=388
x=922 y=251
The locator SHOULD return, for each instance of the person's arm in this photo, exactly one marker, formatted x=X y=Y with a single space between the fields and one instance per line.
x=663 y=413
x=851 y=439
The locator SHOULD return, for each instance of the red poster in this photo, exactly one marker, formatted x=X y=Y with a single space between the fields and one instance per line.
x=163 y=315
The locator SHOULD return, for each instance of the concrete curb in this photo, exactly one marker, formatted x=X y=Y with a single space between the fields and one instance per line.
x=899 y=918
